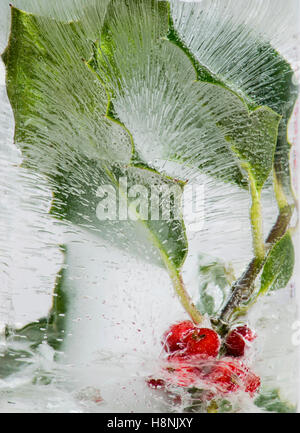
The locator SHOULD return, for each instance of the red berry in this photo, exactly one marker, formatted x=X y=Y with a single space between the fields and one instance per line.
x=202 y=341
x=252 y=383
x=235 y=344
x=229 y=375
x=173 y=338
x=156 y=383
x=236 y=340
x=180 y=373
x=222 y=377
x=246 y=332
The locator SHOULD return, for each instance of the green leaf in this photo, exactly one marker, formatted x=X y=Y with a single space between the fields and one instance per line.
x=279 y=265
x=206 y=305
x=14 y=359
x=251 y=135
x=66 y=129
x=56 y=101
x=80 y=201
x=236 y=55
x=149 y=77
x=224 y=406
x=272 y=402
x=215 y=281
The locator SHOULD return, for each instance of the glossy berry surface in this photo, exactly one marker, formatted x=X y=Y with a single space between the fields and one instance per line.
x=236 y=340
x=173 y=339
x=235 y=344
x=202 y=341
x=246 y=332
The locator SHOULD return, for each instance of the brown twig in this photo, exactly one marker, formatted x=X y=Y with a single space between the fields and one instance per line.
x=243 y=288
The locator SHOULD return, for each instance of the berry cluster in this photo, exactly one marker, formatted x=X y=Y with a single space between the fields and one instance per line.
x=194 y=361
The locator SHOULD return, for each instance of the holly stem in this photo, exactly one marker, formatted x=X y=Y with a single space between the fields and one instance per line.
x=256 y=220
x=183 y=296
x=243 y=288
x=279 y=192
x=177 y=282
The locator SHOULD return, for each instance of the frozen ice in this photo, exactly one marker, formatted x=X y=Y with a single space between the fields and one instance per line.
x=120 y=304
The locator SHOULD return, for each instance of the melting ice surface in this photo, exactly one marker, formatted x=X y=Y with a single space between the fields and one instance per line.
x=120 y=305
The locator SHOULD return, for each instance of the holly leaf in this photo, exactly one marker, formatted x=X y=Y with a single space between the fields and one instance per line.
x=250 y=135
x=133 y=207
x=57 y=103
x=149 y=76
x=215 y=281
x=238 y=56
x=272 y=402
x=279 y=265
x=67 y=132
